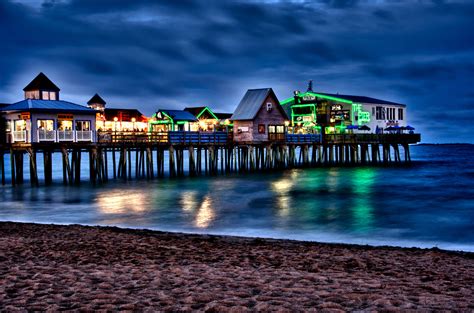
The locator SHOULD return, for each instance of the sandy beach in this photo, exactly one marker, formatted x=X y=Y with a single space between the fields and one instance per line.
x=50 y=267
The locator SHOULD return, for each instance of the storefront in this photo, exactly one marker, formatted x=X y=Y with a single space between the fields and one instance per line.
x=171 y=120
x=37 y=122
x=259 y=117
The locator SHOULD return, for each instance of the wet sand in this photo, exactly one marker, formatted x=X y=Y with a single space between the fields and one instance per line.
x=92 y=268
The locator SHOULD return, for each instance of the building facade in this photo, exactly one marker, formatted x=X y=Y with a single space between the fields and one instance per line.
x=311 y=112
x=259 y=117
x=42 y=117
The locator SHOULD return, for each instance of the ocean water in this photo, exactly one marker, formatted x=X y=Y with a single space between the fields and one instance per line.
x=428 y=204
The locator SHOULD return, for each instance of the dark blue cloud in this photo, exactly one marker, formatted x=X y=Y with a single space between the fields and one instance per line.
x=149 y=54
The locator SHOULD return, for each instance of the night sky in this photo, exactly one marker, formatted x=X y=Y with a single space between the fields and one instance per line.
x=140 y=54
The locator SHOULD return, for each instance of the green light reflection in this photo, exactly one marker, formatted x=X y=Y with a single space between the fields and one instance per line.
x=362 y=209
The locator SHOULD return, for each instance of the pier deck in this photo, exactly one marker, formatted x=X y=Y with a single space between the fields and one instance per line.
x=205 y=153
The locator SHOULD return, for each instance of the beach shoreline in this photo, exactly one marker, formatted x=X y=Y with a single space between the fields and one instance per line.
x=74 y=267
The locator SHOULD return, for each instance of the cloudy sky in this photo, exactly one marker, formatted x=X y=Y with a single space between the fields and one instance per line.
x=150 y=54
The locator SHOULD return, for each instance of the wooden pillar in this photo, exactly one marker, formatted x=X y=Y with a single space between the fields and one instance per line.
x=2 y=165
x=48 y=167
x=33 y=167
x=172 y=169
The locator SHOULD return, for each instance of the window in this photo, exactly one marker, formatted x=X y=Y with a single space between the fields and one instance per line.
x=261 y=128
x=83 y=125
x=373 y=111
x=64 y=125
x=271 y=129
x=280 y=129
x=400 y=114
x=19 y=125
x=52 y=96
x=45 y=95
x=45 y=125
x=380 y=113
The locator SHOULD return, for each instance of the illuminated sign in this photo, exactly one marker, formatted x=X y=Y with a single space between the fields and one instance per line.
x=336 y=107
x=65 y=117
x=343 y=115
x=25 y=115
x=309 y=98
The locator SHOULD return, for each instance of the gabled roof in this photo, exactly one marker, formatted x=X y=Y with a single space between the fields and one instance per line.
x=41 y=82
x=198 y=111
x=178 y=115
x=194 y=110
x=251 y=104
x=223 y=116
x=126 y=115
x=96 y=99
x=47 y=106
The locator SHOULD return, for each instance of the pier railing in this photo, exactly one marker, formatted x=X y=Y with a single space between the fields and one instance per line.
x=173 y=137
x=303 y=138
x=372 y=138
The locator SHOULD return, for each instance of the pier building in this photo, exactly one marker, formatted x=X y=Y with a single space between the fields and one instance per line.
x=330 y=113
x=117 y=119
x=43 y=117
x=171 y=120
x=208 y=120
x=259 y=117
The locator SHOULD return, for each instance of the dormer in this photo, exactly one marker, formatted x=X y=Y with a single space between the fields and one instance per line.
x=41 y=88
x=96 y=103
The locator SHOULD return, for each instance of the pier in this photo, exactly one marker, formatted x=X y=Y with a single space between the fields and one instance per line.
x=130 y=155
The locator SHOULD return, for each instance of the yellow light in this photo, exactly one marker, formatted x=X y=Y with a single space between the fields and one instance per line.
x=134 y=120
x=202 y=124
x=205 y=214
x=115 y=119
x=287 y=123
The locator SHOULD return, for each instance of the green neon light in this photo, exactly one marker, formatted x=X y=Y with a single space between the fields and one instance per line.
x=363 y=116
x=305 y=123
x=209 y=110
x=181 y=122
x=286 y=101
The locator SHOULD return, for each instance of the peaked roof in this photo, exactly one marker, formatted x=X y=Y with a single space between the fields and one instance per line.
x=96 y=99
x=178 y=115
x=223 y=116
x=198 y=111
x=47 y=106
x=251 y=104
x=194 y=110
x=41 y=82
x=125 y=114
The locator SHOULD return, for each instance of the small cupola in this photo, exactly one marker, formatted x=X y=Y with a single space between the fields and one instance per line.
x=41 y=88
x=96 y=103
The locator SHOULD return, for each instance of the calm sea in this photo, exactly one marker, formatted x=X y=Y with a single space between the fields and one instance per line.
x=430 y=203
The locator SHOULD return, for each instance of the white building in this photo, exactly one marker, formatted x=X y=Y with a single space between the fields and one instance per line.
x=42 y=117
x=375 y=113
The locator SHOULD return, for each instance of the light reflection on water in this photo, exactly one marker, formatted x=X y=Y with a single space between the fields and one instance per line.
x=429 y=204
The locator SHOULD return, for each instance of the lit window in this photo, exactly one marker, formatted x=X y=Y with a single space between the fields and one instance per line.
x=45 y=95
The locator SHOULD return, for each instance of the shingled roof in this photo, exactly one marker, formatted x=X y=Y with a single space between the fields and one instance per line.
x=96 y=99
x=41 y=82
